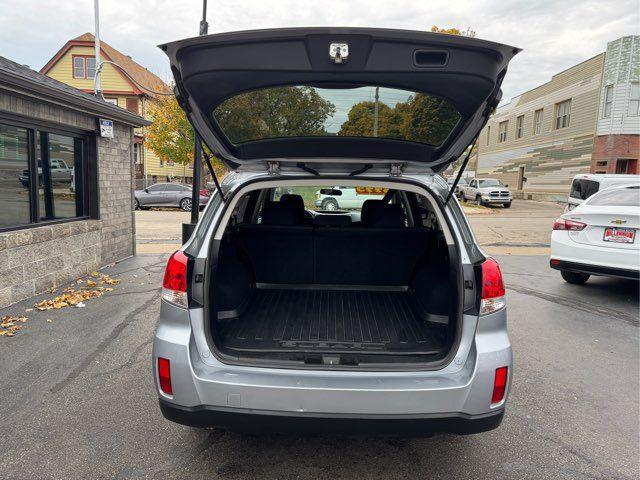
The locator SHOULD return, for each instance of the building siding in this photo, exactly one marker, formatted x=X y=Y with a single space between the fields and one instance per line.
x=554 y=156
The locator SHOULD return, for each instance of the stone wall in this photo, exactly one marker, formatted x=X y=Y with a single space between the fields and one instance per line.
x=35 y=259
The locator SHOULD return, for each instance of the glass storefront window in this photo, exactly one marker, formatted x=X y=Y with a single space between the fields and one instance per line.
x=14 y=176
x=56 y=160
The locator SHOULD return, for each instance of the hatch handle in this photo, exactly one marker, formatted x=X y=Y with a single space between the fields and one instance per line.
x=460 y=172
x=368 y=166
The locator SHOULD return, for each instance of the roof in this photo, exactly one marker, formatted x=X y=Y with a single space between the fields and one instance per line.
x=149 y=81
x=23 y=79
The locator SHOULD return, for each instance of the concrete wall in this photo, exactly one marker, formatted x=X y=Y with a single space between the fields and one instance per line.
x=35 y=259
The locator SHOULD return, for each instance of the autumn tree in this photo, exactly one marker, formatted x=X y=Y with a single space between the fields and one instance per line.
x=454 y=31
x=170 y=135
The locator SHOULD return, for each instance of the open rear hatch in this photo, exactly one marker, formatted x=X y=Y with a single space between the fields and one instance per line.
x=338 y=97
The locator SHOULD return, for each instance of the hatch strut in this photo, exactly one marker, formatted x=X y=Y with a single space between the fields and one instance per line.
x=462 y=167
x=213 y=173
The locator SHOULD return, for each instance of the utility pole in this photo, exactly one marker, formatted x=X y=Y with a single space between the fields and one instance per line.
x=375 y=114
x=187 y=228
x=96 y=83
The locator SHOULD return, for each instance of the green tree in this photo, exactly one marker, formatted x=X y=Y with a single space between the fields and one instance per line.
x=274 y=112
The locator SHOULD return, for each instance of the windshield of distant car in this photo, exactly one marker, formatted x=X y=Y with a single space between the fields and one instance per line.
x=619 y=197
x=489 y=183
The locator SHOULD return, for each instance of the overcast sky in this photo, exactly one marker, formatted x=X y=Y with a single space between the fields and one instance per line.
x=554 y=34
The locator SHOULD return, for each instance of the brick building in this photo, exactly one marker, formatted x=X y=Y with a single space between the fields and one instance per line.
x=65 y=191
x=617 y=142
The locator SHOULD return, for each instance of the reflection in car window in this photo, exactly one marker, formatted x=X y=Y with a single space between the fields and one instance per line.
x=619 y=197
x=583 y=189
x=309 y=111
x=489 y=183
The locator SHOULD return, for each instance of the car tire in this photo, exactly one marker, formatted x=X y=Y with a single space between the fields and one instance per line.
x=185 y=204
x=575 y=278
x=507 y=205
x=329 y=204
x=136 y=204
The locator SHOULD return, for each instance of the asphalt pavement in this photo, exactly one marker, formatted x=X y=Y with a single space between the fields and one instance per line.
x=78 y=400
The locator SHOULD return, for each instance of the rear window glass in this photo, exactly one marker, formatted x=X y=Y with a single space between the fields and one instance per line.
x=583 y=189
x=623 y=197
x=307 y=111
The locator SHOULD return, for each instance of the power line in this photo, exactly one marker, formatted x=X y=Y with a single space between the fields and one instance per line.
x=138 y=84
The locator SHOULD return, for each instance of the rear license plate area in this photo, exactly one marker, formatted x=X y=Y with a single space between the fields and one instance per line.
x=619 y=235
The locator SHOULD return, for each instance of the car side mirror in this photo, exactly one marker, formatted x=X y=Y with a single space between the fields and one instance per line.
x=146 y=190
x=332 y=192
x=506 y=185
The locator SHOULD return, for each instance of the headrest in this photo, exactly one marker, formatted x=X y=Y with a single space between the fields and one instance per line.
x=389 y=216
x=278 y=213
x=368 y=209
x=295 y=200
x=332 y=220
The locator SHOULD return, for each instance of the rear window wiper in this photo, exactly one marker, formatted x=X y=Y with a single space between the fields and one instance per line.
x=303 y=166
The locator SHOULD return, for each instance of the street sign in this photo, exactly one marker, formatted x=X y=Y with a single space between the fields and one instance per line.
x=106 y=128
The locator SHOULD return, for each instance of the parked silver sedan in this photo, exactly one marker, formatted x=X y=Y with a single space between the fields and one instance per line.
x=167 y=195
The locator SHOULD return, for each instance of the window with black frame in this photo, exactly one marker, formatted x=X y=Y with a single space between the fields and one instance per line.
x=42 y=176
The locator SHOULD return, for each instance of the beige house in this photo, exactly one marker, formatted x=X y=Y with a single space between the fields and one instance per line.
x=542 y=138
x=74 y=64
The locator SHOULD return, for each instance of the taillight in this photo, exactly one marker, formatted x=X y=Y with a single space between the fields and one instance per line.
x=570 y=225
x=499 y=384
x=204 y=192
x=174 y=285
x=164 y=375
x=492 y=287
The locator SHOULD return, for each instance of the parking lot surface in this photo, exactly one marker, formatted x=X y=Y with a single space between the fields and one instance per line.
x=78 y=400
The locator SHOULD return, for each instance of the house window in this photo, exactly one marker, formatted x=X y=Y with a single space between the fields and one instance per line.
x=537 y=122
x=84 y=67
x=44 y=175
x=488 y=134
x=608 y=101
x=563 y=114
x=113 y=101
x=132 y=105
x=502 y=131
x=634 y=99
x=519 y=124
x=137 y=156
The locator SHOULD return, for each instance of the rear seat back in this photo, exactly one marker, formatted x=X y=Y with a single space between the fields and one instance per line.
x=281 y=247
x=285 y=252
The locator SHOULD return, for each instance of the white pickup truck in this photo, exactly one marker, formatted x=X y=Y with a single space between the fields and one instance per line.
x=486 y=191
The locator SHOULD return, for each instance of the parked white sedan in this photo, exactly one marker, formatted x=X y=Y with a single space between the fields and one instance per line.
x=599 y=237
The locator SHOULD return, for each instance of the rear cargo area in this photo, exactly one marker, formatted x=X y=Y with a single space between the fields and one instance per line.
x=334 y=321
x=328 y=291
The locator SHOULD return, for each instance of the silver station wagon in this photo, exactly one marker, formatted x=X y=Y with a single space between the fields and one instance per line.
x=280 y=315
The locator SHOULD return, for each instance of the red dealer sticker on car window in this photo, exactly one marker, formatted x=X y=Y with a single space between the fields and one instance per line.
x=619 y=235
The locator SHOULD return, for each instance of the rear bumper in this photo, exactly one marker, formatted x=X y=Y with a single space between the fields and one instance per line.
x=567 y=254
x=595 y=269
x=261 y=421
